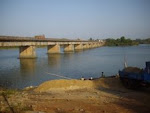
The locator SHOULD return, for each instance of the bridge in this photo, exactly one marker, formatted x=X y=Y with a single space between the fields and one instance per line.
x=27 y=45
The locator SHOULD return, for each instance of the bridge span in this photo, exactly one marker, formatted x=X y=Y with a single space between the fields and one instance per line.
x=27 y=45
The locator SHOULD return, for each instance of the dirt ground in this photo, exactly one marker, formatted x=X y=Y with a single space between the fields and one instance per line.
x=105 y=95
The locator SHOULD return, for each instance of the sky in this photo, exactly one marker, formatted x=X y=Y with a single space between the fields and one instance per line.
x=84 y=19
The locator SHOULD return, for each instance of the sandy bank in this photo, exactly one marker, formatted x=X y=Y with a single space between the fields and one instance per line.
x=104 y=95
x=63 y=84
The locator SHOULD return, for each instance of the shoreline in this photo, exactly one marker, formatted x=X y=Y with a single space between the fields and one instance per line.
x=56 y=97
x=35 y=86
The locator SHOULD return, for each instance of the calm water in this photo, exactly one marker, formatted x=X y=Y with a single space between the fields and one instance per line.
x=20 y=73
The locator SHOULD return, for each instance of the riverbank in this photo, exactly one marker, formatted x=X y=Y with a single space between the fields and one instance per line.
x=104 y=95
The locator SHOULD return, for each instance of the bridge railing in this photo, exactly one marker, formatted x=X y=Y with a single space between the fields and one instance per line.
x=32 y=39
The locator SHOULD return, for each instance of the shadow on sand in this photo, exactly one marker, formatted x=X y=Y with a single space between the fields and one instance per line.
x=137 y=101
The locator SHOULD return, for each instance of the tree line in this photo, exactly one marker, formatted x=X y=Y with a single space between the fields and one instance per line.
x=122 y=41
x=143 y=41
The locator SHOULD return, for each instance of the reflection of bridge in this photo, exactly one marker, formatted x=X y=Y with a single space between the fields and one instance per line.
x=27 y=45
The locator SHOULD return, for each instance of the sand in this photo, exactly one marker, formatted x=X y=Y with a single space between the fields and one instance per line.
x=73 y=84
x=104 y=95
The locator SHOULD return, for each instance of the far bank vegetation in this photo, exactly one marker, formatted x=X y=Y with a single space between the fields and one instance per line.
x=120 y=42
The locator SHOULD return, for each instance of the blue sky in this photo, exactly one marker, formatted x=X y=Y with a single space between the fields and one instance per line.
x=76 y=18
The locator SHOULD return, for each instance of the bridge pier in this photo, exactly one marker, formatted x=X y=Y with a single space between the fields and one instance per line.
x=78 y=46
x=69 y=48
x=100 y=44
x=90 y=46
x=95 y=46
x=27 y=52
x=53 y=48
x=86 y=46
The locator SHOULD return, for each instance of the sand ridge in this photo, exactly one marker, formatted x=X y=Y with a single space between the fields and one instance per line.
x=64 y=84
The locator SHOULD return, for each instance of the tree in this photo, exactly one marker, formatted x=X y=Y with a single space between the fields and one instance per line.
x=122 y=39
x=120 y=42
x=90 y=39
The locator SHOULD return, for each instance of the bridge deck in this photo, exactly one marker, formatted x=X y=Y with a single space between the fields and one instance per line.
x=8 y=41
x=27 y=45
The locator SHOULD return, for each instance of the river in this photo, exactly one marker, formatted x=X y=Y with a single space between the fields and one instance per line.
x=20 y=73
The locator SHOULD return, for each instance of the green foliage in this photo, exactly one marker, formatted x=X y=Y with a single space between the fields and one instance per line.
x=90 y=39
x=120 y=42
x=143 y=41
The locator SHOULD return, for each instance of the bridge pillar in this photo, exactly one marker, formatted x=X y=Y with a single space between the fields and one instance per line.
x=27 y=52
x=90 y=46
x=78 y=46
x=86 y=46
x=99 y=44
x=95 y=45
x=69 y=48
x=53 y=48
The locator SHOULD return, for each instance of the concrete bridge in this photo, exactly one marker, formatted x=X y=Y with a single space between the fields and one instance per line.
x=27 y=45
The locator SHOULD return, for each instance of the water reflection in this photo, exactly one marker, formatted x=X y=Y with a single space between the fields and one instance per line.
x=54 y=60
x=68 y=56
x=20 y=73
x=79 y=51
x=28 y=66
